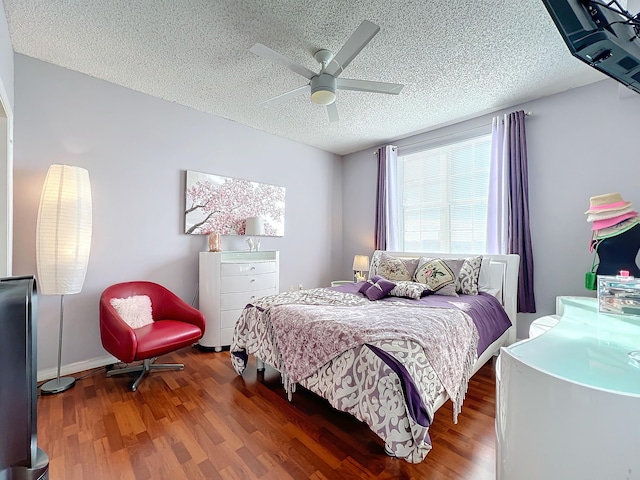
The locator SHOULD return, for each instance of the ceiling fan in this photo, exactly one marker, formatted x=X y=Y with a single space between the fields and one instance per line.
x=323 y=85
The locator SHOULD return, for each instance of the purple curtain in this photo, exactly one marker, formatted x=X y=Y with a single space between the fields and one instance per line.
x=519 y=233
x=386 y=234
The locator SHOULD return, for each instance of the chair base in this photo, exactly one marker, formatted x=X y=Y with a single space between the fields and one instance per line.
x=146 y=366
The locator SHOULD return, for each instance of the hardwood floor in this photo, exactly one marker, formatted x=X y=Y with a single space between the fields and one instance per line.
x=206 y=422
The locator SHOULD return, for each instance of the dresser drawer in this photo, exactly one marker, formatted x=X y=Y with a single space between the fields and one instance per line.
x=247 y=283
x=246 y=268
x=226 y=336
x=229 y=318
x=237 y=301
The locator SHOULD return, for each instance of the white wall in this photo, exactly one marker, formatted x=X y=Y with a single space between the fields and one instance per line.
x=137 y=149
x=581 y=143
x=6 y=56
x=6 y=166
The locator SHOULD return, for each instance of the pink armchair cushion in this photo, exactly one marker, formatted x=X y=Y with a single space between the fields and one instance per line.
x=135 y=310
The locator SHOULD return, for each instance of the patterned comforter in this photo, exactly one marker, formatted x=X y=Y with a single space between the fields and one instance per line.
x=383 y=362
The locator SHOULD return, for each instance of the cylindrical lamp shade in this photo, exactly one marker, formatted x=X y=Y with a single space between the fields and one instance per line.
x=361 y=263
x=255 y=226
x=63 y=230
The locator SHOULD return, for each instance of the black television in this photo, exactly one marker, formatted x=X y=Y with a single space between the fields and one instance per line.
x=20 y=457
x=601 y=34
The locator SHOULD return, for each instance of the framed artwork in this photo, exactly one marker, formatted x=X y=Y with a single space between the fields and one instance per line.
x=223 y=204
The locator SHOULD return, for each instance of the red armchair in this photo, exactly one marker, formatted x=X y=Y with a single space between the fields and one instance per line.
x=176 y=324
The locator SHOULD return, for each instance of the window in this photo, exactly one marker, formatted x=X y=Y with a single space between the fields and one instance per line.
x=442 y=197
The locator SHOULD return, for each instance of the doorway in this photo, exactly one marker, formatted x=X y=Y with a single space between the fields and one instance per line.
x=6 y=181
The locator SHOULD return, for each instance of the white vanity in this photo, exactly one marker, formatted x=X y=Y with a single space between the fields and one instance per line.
x=568 y=400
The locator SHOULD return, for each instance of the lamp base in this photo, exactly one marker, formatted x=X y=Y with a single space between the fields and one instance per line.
x=57 y=385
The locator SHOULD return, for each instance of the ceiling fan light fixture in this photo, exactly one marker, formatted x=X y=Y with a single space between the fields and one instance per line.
x=323 y=89
x=323 y=85
x=323 y=97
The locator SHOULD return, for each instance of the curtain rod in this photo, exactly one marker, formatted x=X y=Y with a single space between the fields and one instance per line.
x=526 y=114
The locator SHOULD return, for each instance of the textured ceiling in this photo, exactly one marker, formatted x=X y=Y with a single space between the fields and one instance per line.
x=457 y=59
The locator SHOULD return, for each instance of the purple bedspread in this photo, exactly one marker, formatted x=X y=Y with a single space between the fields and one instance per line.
x=488 y=315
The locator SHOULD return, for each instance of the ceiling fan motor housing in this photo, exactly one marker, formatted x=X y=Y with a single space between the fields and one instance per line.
x=323 y=89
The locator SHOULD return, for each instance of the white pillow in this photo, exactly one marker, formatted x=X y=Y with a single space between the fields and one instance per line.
x=408 y=289
x=135 y=310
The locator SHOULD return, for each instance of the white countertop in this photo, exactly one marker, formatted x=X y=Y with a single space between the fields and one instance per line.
x=587 y=347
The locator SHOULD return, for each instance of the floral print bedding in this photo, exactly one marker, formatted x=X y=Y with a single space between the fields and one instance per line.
x=382 y=369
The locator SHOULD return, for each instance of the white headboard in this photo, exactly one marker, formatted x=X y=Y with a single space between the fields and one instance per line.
x=502 y=274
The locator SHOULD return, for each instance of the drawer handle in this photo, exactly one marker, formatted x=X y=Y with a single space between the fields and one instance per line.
x=252 y=268
x=252 y=280
x=252 y=297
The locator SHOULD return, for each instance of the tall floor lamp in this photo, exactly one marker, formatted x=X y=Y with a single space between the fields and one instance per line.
x=63 y=241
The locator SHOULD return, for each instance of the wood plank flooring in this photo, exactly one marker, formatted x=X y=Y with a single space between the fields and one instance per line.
x=206 y=422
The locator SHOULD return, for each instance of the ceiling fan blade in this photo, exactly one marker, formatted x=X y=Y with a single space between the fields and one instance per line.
x=357 y=41
x=369 y=86
x=265 y=52
x=288 y=95
x=332 y=112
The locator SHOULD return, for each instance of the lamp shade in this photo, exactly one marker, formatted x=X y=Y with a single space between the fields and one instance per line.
x=255 y=226
x=361 y=263
x=63 y=230
x=323 y=89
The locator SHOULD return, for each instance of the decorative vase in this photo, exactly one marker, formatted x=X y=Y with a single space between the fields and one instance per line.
x=215 y=244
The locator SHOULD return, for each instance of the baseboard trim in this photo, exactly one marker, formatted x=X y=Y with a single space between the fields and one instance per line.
x=70 y=369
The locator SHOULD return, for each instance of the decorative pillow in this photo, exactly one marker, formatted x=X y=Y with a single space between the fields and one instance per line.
x=380 y=289
x=393 y=268
x=409 y=289
x=467 y=279
x=375 y=261
x=135 y=310
x=435 y=273
x=439 y=274
x=365 y=286
x=455 y=266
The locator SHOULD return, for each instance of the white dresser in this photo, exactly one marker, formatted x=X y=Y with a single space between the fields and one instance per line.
x=228 y=282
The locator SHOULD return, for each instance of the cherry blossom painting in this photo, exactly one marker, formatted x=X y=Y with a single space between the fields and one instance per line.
x=223 y=204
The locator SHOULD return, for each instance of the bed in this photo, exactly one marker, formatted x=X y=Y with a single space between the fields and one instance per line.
x=389 y=360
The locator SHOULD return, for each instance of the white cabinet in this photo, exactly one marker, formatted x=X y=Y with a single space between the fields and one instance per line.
x=568 y=401
x=228 y=282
